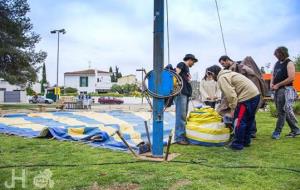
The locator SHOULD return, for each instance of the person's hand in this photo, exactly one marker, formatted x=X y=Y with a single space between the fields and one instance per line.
x=275 y=87
x=189 y=77
x=232 y=114
x=271 y=86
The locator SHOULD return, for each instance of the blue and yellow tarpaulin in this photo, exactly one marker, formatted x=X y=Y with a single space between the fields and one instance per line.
x=82 y=126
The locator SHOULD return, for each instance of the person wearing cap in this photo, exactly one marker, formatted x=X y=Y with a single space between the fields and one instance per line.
x=243 y=99
x=182 y=100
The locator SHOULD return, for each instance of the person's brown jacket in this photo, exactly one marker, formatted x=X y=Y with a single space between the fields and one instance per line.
x=253 y=74
x=236 y=88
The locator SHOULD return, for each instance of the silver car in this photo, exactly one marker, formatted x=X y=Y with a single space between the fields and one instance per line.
x=40 y=100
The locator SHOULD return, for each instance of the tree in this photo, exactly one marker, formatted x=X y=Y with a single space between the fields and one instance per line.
x=19 y=62
x=125 y=89
x=297 y=63
x=118 y=74
x=44 y=79
x=30 y=91
x=112 y=77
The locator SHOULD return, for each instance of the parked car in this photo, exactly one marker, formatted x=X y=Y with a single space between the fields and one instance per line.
x=40 y=100
x=110 y=100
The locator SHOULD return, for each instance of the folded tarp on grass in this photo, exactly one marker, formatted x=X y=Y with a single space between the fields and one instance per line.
x=83 y=126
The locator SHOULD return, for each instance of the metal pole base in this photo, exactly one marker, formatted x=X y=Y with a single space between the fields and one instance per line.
x=150 y=157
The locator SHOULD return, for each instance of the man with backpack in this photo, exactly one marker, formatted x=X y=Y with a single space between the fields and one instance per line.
x=249 y=69
x=182 y=100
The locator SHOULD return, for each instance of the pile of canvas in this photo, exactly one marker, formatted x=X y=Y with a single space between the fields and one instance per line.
x=205 y=127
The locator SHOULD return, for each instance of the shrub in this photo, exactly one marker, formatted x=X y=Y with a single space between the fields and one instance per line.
x=136 y=94
x=29 y=91
x=71 y=90
x=111 y=94
x=297 y=108
x=117 y=88
x=127 y=89
x=273 y=110
x=70 y=94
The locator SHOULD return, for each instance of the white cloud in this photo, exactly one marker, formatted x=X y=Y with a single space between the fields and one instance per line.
x=110 y=33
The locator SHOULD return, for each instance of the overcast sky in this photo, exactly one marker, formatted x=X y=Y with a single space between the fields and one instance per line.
x=119 y=32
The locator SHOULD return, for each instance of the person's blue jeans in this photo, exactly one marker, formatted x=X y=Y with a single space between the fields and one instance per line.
x=182 y=102
x=244 y=118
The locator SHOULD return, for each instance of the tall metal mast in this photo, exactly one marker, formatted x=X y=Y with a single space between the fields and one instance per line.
x=158 y=65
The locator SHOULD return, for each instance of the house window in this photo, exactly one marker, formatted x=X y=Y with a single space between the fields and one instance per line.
x=84 y=82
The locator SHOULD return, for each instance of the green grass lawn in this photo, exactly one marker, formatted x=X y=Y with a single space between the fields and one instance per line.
x=218 y=167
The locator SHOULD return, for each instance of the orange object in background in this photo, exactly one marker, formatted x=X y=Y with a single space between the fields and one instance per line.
x=267 y=78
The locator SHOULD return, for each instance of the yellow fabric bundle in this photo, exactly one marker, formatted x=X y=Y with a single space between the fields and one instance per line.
x=204 y=127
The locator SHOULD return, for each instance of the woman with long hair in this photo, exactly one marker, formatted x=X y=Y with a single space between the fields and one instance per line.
x=209 y=90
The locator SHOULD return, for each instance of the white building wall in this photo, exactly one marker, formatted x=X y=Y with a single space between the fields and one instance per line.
x=74 y=82
x=1 y=96
x=37 y=87
x=8 y=87
x=23 y=97
x=104 y=83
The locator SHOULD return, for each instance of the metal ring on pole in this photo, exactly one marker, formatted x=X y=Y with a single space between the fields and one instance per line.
x=155 y=95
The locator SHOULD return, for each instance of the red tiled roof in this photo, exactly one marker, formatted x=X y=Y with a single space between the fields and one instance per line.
x=85 y=72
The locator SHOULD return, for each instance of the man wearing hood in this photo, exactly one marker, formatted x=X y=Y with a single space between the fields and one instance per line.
x=243 y=99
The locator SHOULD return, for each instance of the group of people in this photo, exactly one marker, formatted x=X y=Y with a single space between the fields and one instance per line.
x=240 y=90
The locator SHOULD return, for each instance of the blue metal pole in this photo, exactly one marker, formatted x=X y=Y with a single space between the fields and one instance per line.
x=158 y=64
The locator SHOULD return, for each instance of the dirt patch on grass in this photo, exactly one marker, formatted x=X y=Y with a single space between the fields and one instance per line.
x=179 y=184
x=126 y=186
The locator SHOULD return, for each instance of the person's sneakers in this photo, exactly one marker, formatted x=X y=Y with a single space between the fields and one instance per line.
x=182 y=143
x=293 y=134
x=276 y=135
x=235 y=148
x=253 y=135
x=247 y=145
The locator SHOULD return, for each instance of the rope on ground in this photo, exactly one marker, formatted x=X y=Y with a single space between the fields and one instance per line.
x=200 y=162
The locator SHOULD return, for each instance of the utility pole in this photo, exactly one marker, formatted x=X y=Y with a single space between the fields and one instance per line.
x=63 y=31
x=158 y=64
x=143 y=71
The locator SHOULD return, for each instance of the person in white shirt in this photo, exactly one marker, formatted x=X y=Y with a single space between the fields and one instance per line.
x=209 y=90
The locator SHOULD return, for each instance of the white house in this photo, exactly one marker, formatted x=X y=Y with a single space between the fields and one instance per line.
x=90 y=80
